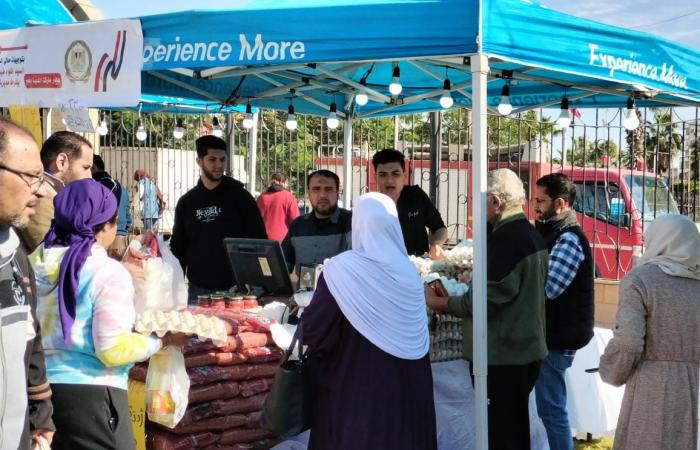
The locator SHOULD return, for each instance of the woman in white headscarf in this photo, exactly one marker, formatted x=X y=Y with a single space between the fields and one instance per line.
x=656 y=347
x=367 y=336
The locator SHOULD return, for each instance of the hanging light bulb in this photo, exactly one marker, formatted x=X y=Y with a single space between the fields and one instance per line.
x=291 y=122
x=216 y=128
x=179 y=130
x=446 y=100
x=248 y=119
x=102 y=129
x=141 y=133
x=332 y=120
x=631 y=120
x=361 y=98
x=505 y=108
x=395 y=87
x=564 y=119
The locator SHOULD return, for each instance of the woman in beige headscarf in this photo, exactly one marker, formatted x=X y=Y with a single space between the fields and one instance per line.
x=656 y=347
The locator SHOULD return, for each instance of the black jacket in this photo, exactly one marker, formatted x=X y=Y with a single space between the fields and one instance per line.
x=203 y=218
x=570 y=317
x=416 y=212
x=39 y=410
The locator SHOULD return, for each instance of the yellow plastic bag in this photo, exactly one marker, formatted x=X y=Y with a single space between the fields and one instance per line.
x=167 y=387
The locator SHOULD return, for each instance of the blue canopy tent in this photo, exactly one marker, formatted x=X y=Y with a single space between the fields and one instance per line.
x=315 y=55
x=312 y=54
x=18 y=13
x=259 y=52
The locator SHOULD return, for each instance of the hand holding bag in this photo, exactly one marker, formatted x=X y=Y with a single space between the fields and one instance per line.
x=287 y=409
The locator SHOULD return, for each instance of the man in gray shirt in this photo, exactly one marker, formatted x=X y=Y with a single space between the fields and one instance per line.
x=322 y=233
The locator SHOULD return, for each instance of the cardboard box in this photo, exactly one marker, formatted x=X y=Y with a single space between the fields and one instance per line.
x=137 y=412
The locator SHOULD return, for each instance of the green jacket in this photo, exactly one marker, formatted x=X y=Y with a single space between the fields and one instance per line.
x=517 y=273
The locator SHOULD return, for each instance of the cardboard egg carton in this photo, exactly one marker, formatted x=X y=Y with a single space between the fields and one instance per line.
x=161 y=322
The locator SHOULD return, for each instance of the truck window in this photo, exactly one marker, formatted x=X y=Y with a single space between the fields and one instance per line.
x=651 y=197
x=595 y=199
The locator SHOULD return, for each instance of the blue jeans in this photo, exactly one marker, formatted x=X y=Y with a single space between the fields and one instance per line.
x=550 y=391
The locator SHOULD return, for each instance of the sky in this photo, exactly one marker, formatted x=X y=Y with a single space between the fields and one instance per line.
x=678 y=23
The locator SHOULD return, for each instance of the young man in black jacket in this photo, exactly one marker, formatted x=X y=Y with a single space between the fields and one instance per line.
x=25 y=394
x=218 y=207
x=416 y=211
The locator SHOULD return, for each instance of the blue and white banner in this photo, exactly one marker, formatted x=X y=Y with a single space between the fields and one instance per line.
x=525 y=32
x=264 y=32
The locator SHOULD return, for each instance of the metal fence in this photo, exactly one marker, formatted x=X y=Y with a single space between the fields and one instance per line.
x=623 y=179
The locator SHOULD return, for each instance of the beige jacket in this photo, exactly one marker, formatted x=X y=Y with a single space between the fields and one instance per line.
x=39 y=224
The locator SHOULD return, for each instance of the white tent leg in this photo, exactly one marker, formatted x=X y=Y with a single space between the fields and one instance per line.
x=253 y=154
x=347 y=162
x=479 y=69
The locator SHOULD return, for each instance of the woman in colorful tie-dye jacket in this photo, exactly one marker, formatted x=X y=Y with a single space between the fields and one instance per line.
x=87 y=314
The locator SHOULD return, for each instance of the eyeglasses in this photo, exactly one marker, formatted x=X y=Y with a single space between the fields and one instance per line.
x=34 y=182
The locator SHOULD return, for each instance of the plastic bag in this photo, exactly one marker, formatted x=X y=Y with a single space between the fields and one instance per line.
x=167 y=387
x=178 y=284
x=163 y=284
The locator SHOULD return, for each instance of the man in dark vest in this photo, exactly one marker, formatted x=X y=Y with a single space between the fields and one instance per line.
x=569 y=304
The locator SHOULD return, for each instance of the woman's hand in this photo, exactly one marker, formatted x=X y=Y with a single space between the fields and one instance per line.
x=135 y=271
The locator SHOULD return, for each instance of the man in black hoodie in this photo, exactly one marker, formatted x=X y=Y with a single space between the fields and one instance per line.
x=218 y=207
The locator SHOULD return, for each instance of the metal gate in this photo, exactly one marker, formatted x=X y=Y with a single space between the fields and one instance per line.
x=623 y=179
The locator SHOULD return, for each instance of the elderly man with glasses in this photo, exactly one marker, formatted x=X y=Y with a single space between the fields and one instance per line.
x=25 y=405
x=517 y=273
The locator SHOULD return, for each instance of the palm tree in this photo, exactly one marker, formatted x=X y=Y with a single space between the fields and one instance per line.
x=662 y=141
x=591 y=152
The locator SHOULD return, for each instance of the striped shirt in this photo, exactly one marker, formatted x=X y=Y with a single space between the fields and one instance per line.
x=564 y=261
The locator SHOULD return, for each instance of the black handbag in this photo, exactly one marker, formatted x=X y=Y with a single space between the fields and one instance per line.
x=287 y=408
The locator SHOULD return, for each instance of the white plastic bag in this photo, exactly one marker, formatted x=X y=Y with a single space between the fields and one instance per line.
x=163 y=285
x=178 y=286
x=167 y=387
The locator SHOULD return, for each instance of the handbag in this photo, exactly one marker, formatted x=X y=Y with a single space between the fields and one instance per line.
x=287 y=408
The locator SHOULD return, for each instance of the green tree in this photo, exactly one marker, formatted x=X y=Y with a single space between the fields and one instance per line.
x=586 y=152
x=662 y=141
x=506 y=131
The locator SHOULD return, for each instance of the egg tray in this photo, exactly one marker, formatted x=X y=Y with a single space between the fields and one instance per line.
x=446 y=335
x=161 y=322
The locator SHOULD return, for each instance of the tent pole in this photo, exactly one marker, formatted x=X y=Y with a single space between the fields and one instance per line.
x=253 y=154
x=347 y=161
x=479 y=69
